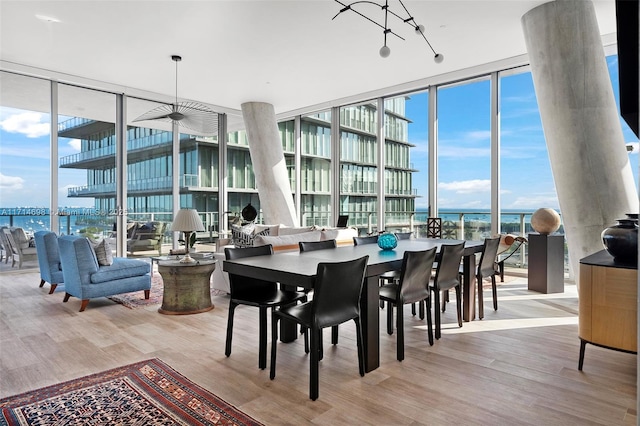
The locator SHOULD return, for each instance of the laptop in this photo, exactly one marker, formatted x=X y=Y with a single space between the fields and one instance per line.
x=342 y=221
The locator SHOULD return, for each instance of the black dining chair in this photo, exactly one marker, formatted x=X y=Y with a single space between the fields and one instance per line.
x=446 y=278
x=391 y=276
x=487 y=269
x=255 y=292
x=412 y=286
x=358 y=241
x=336 y=300
x=306 y=246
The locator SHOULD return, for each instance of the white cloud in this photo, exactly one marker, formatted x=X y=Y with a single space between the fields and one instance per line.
x=11 y=183
x=75 y=144
x=535 y=202
x=467 y=186
x=31 y=124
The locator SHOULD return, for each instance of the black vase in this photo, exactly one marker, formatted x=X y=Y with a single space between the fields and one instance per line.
x=621 y=240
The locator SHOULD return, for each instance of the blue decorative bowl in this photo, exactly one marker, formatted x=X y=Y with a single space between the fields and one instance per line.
x=387 y=241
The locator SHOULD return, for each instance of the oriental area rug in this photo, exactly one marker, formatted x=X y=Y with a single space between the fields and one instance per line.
x=145 y=393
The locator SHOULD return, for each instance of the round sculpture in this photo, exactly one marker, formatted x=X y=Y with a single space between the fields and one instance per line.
x=387 y=241
x=545 y=221
x=621 y=240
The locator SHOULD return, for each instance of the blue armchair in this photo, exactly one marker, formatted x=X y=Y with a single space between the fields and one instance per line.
x=48 y=259
x=85 y=278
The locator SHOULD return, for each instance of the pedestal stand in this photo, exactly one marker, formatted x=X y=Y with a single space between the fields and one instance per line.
x=546 y=263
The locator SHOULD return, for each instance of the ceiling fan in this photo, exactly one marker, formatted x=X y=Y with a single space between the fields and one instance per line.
x=191 y=115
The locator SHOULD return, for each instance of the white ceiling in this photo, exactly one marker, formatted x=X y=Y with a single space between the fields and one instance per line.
x=287 y=53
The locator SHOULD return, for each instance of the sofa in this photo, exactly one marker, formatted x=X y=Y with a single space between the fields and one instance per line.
x=281 y=237
x=91 y=271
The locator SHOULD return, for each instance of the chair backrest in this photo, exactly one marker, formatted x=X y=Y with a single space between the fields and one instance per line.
x=48 y=256
x=487 y=264
x=317 y=245
x=13 y=247
x=78 y=261
x=449 y=265
x=336 y=292
x=404 y=235
x=239 y=283
x=365 y=240
x=415 y=275
x=434 y=227
x=6 y=244
x=343 y=220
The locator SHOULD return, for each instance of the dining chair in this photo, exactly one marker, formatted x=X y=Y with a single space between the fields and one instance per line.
x=336 y=300
x=413 y=286
x=358 y=241
x=486 y=269
x=391 y=276
x=258 y=293
x=311 y=246
x=446 y=278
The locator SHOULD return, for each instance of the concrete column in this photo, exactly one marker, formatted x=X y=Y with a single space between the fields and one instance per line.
x=269 y=166
x=588 y=157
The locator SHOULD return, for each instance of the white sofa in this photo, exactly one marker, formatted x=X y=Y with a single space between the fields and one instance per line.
x=282 y=238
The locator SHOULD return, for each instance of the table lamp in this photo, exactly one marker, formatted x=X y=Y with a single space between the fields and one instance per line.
x=187 y=221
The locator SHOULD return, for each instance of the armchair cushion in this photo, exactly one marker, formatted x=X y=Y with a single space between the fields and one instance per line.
x=121 y=268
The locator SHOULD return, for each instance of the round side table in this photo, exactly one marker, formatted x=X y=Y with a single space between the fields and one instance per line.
x=186 y=286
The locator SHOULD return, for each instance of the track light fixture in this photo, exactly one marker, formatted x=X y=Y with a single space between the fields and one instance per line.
x=385 y=51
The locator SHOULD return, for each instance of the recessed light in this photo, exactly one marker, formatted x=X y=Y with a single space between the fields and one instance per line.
x=47 y=18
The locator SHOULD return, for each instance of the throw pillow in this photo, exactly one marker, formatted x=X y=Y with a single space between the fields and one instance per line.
x=242 y=236
x=103 y=251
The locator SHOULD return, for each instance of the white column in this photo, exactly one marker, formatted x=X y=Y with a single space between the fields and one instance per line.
x=269 y=166
x=589 y=161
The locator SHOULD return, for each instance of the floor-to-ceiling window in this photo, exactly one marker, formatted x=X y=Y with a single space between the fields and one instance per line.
x=25 y=172
x=464 y=158
x=406 y=163
x=315 y=169
x=358 y=166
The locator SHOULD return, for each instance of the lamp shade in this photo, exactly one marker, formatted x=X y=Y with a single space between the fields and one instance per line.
x=187 y=220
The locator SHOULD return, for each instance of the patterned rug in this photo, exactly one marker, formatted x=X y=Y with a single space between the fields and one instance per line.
x=136 y=299
x=145 y=393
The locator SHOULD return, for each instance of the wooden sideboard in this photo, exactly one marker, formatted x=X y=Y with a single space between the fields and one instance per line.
x=608 y=295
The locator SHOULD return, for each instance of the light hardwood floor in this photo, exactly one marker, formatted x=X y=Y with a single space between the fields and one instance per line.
x=517 y=366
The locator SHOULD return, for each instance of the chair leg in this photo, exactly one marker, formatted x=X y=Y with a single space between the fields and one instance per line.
x=501 y=270
x=147 y=293
x=83 y=304
x=445 y=299
x=53 y=288
x=429 y=323
x=389 y=318
x=436 y=310
x=232 y=308
x=66 y=297
x=42 y=282
x=400 y=327
x=583 y=344
x=314 y=361
x=360 y=345
x=421 y=309
x=494 y=290
x=480 y=298
x=334 y=335
x=459 y=304
x=274 y=342
x=262 y=351
x=413 y=309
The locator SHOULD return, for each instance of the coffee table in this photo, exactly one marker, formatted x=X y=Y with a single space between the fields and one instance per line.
x=186 y=286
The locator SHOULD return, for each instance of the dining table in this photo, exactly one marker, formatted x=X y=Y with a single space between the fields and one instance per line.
x=298 y=269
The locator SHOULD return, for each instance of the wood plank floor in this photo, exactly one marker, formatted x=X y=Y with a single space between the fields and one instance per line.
x=518 y=366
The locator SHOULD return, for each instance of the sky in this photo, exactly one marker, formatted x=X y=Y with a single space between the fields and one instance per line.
x=463 y=167
x=464 y=137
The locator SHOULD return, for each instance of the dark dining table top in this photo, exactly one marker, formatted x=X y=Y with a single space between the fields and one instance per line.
x=299 y=268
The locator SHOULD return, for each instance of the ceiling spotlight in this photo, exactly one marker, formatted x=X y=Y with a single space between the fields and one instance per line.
x=384 y=50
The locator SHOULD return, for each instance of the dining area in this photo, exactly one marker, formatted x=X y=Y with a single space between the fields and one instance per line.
x=298 y=274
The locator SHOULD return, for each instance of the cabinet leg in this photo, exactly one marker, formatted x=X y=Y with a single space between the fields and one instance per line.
x=583 y=344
